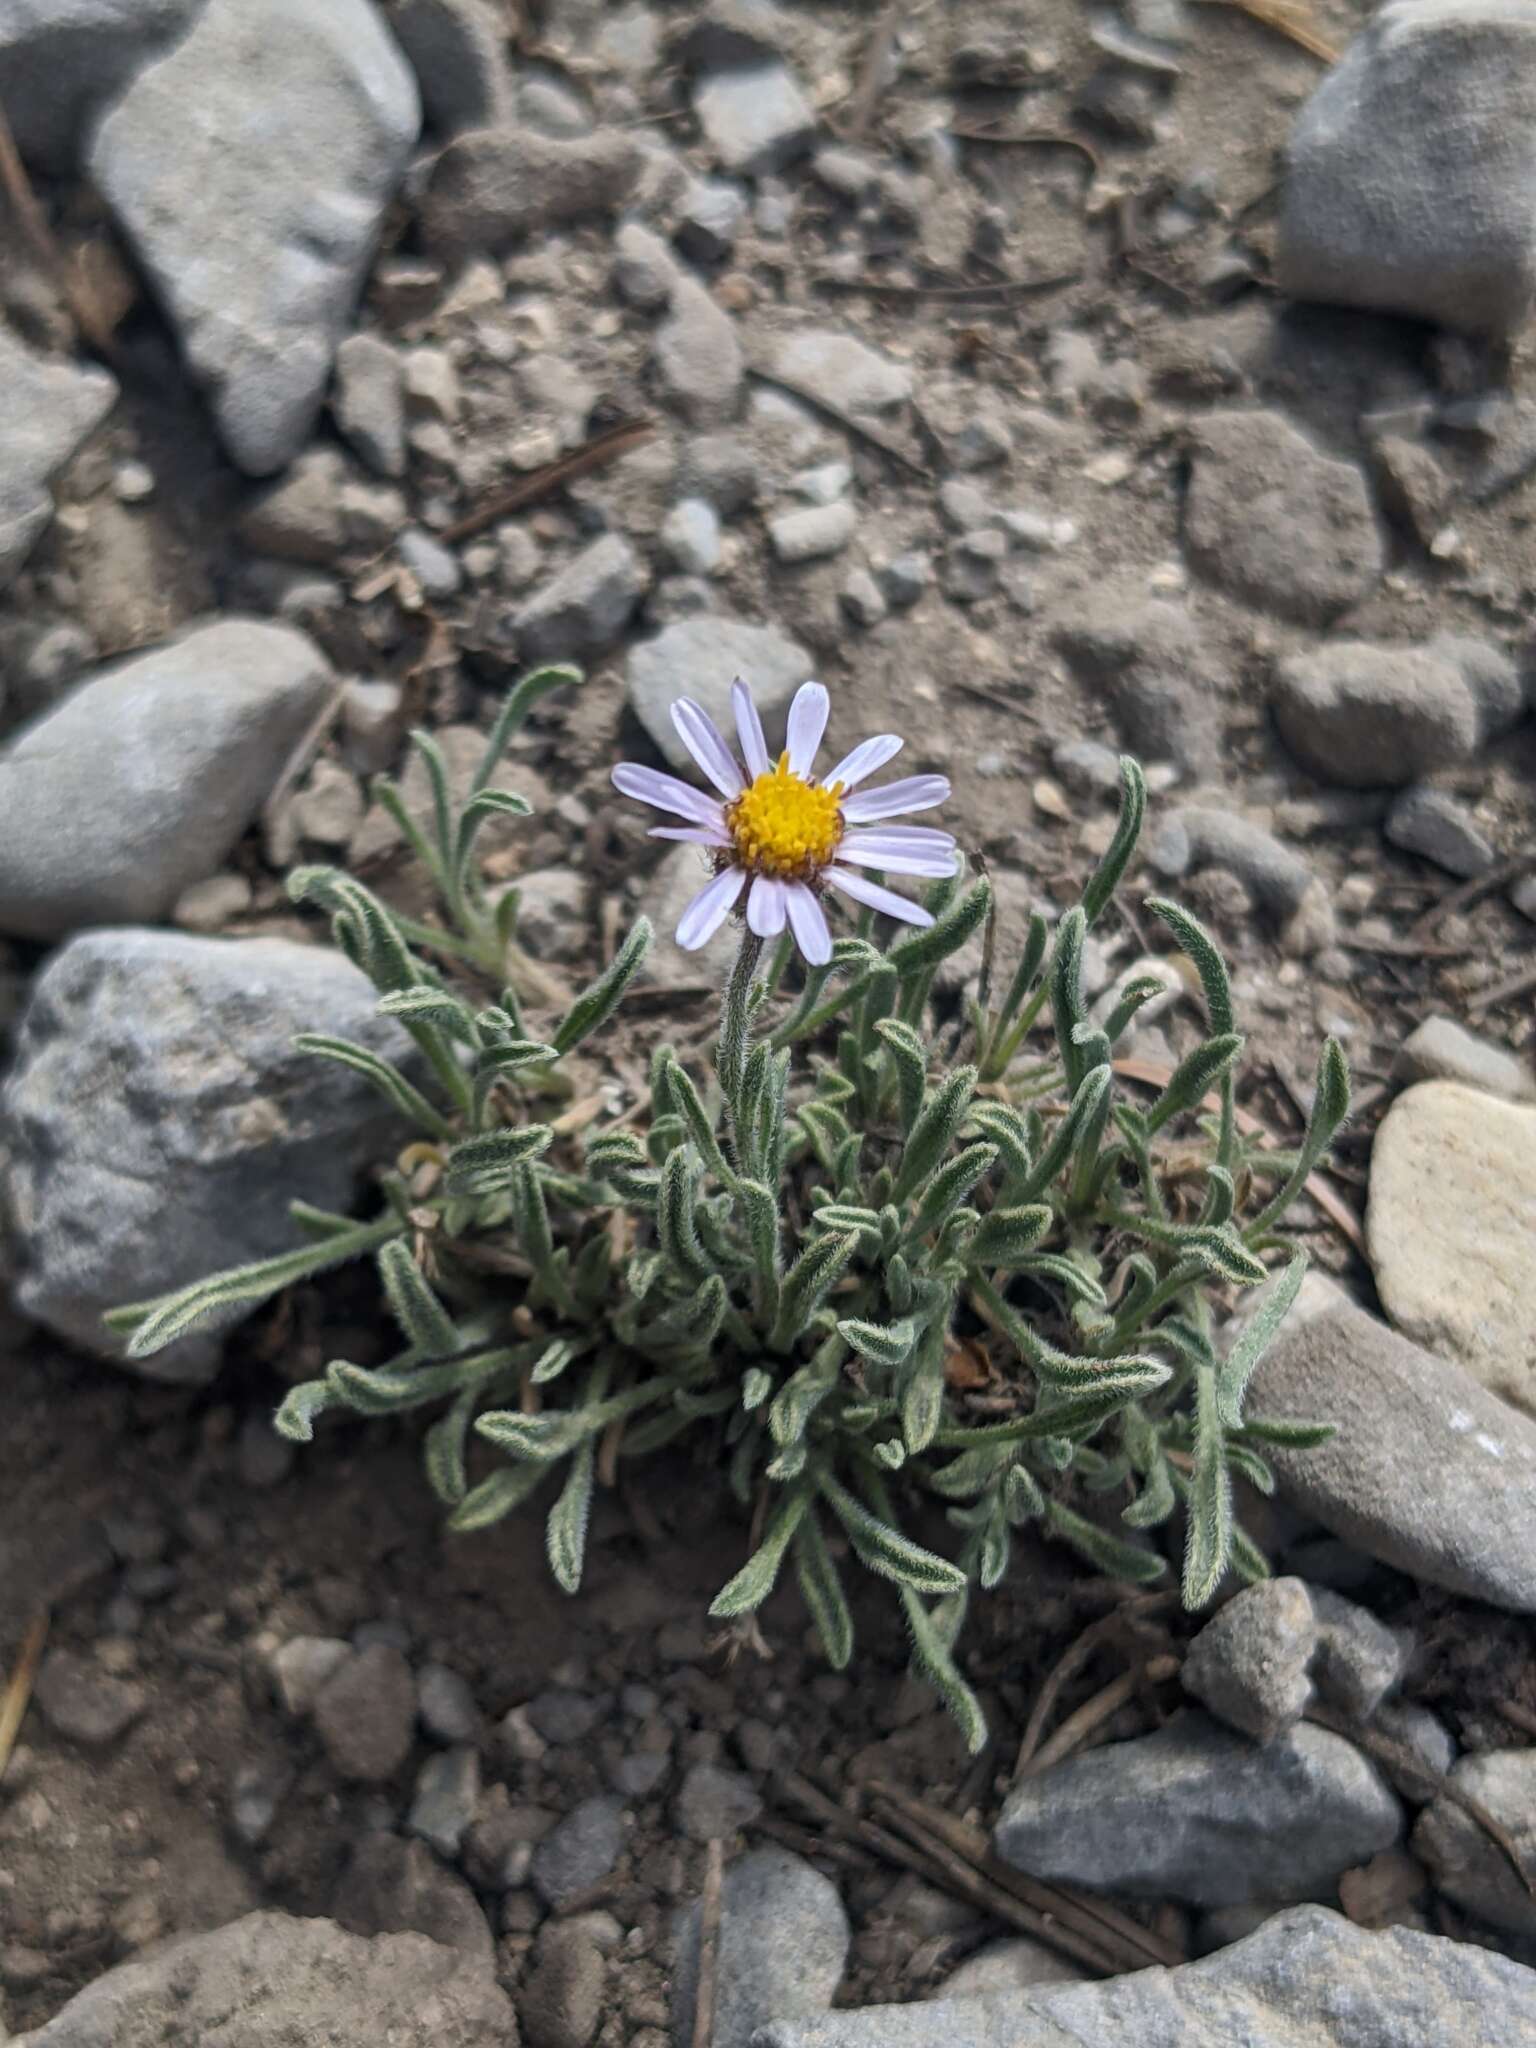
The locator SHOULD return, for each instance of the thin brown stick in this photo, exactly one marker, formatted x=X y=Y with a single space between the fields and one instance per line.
x=709 y=1945
x=856 y=428
x=33 y=222
x=1521 y=1717
x=597 y=453
x=1072 y=1660
x=18 y=1688
x=1465 y=894
x=1504 y=992
x=1288 y=20
x=1399 y=1757
x=994 y=289
x=1090 y=1915
x=1092 y=1714
x=866 y=94
x=805 y=1843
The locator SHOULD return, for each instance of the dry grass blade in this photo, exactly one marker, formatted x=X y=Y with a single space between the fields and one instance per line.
x=597 y=453
x=709 y=1945
x=33 y=223
x=1467 y=893
x=854 y=428
x=1503 y=992
x=989 y=291
x=1287 y=19
x=1077 y=1653
x=1092 y=1714
x=872 y=72
x=1519 y=1716
x=18 y=1688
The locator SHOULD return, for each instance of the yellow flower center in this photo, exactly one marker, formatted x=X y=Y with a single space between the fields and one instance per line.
x=784 y=825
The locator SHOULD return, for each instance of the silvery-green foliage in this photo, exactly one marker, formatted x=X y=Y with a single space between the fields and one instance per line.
x=781 y=1260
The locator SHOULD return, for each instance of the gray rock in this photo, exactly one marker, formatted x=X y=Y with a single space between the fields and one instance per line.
x=365 y=1714
x=1426 y=1740
x=330 y=806
x=390 y=1886
x=369 y=402
x=492 y=187
x=698 y=355
x=458 y=50
x=1274 y=521
x=841 y=370
x=1148 y=661
x=445 y=1705
x=1467 y=1864
x=1197 y=1813
x=553 y=920
x=434 y=567
x=698 y=658
x=159 y=1120
x=638 y=1776
x=1488 y=672
x=1523 y=897
x=1087 y=767
x=813 y=531
x=722 y=469
x=756 y=120
x=301 y=517
x=545 y=102
x=644 y=268
x=579 y=1851
x=1440 y=1049
x=862 y=599
x=255 y=222
x=1308 y=1978
x=301 y=1666
x=255 y=1795
x=1432 y=824
x=81 y=1700
x=1412 y=169
x=268 y=1981
x=584 y=608
x=1016 y=1964
x=1367 y=717
x=783 y=1944
x=446 y=1795
x=1251 y=1664
x=728 y=33
x=1401 y=1414
x=561 y=2000
x=498 y=1849
x=905 y=579
x=51 y=407
x=709 y=220
x=1359 y=1659
x=61 y=61
x=1195 y=837
x=561 y=1715
x=715 y=1802
x=690 y=535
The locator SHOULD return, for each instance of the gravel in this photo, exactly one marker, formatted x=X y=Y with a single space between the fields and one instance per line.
x=840 y=370
x=584 y=608
x=715 y=1803
x=365 y=1714
x=698 y=355
x=369 y=402
x=1196 y=837
x=445 y=1706
x=579 y=1851
x=1148 y=659
x=755 y=120
x=446 y=1796
x=561 y=1999
x=492 y=187
x=1432 y=824
x=301 y=1666
x=813 y=531
x=390 y=1886
x=51 y=407
x=1467 y=1864
x=84 y=1703
x=690 y=536
x=783 y=1945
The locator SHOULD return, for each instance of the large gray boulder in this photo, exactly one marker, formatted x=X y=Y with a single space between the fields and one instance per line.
x=62 y=59
x=50 y=408
x=698 y=657
x=1198 y=1813
x=269 y=1981
x=250 y=169
x=158 y=1120
x=146 y=775
x=1412 y=169
x=1307 y=1979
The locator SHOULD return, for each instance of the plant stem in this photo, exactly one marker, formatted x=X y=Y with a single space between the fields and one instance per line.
x=731 y=1058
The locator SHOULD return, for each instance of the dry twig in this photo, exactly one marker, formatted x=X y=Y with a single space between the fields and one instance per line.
x=597 y=453
x=709 y=1945
x=1465 y=894
x=1075 y=1656
x=1092 y=1714
x=33 y=223
x=1520 y=1716
x=1033 y=138
x=18 y=1689
x=856 y=429
x=877 y=57
x=995 y=290
x=1503 y=992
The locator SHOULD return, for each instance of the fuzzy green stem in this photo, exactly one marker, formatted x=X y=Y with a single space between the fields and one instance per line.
x=731 y=1058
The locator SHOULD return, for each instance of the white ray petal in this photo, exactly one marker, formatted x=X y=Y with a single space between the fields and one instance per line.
x=749 y=730
x=862 y=890
x=912 y=793
x=808 y=922
x=879 y=850
x=709 y=909
x=807 y=722
x=705 y=741
x=766 y=908
x=867 y=757
x=693 y=835
x=666 y=793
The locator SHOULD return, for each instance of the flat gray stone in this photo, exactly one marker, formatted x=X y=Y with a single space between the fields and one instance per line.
x=390 y=1886
x=158 y=1120
x=1196 y=837
x=147 y=773
x=50 y=408
x=269 y=1981
x=61 y=60
x=698 y=355
x=369 y=402
x=841 y=370
x=458 y=51
x=755 y=118
x=1432 y=824
x=1369 y=717
x=1427 y=1471
x=1150 y=662
x=495 y=185
x=1308 y=1978
x=783 y=1944
x=579 y=1850
x=1449 y=1227
x=698 y=658
x=1411 y=172
x=250 y=168
x=586 y=605
x=1197 y=1813
x=1440 y=1049
x=447 y=1793
x=1467 y=1864
x=1016 y=1964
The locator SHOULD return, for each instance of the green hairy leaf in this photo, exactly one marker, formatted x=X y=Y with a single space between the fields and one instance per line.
x=885 y=1550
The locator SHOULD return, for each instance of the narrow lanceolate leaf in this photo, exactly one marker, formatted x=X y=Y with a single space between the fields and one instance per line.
x=933 y=1659
x=496 y=1496
x=885 y=1550
x=1209 y=965
x=423 y=1320
x=1004 y=1236
x=1107 y=877
x=527 y=691
x=949 y=1188
x=1023 y=1498
x=486 y=1165
x=481 y=808
x=538 y=1438
x=756 y=1386
x=676 y=1223
x=1330 y=1106
x=1087 y=1105
x=1208 y=1534
x=443 y=1451
x=1216 y=1248
x=922 y=1399
x=1255 y=1338
x=808 y=1283
x=970 y=1474
x=598 y=1003
x=910 y=1058
x=1006 y=1128
x=1194 y=1077
x=1128 y=1372
x=427 y=1005
x=934 y=1131
x=920 y=951
x=758 y=1576
x=1067 y=1005
x=1107 y=1553
x=388 y=1079
x=1283 y=1434
x=821 y=1587
x=689 y=1104
x=887 y=1344
x=295 y=1419
x=1033 y=952
x=566 y=1531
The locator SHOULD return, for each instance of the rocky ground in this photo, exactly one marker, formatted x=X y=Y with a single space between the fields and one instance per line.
x=357 y=357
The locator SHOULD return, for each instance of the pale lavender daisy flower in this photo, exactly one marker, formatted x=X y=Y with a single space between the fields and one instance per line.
x=781 y=834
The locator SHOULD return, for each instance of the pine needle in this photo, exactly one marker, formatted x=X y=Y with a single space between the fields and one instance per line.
x=1289 y=19
x=18 y=1690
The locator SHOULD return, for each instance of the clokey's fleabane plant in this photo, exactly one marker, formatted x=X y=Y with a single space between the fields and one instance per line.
x=780 y=835
x=889 y=1263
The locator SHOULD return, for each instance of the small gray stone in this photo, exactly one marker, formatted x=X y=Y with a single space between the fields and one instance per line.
x=434 y=567
x=1194 y=838
x=458 y=50
x=445 y=1705
x=579 y=1851
x=862 y=599
x=755 y=120
x=330 y=806
x=585 y=607
x=841 y=370
x=1251 y=1664
x=709 y=220
x=1277 y=523
x=255 y=222
x=552 y=915
x=715 y=1802
x=496 y=185
x=698 y=658
x=391 y=1886
x=690 y=535
x=1467 y=1864
x=373 y=720
x=255 y=1795
x=1435 y=826
x=301 y=1666
x=365 y=1714
x=824 y=484
x=698 y=355
x=1359 y=1659
x=210 y=907
x=1149 y=661
x=446 y=1795
x=1087 y=767
x=783 y=1944
x=980 y=444
x=50 y=409
x=80 y=1700
x=1368 y=717
x=638 y=1776
x=369 y=402
x=1015 y=1964
x=1197 y=1813
x=1443 y=1050
x=644 y=268
x=545 y=102
x=727 y=33
x=723 y=470
x=812 y=532
x=431 y=383
x=561 y=1715
x=497 y=1850
x=1488 y=672
x=561 y=2000
x=905 y=579
x=1415 y=1729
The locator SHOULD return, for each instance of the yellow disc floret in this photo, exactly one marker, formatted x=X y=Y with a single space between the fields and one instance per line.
x=783 y=825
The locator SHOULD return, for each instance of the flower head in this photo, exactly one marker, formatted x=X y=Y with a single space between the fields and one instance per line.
x=782 y=834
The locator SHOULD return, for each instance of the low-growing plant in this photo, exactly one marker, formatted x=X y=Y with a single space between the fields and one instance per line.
x=869 y=1255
